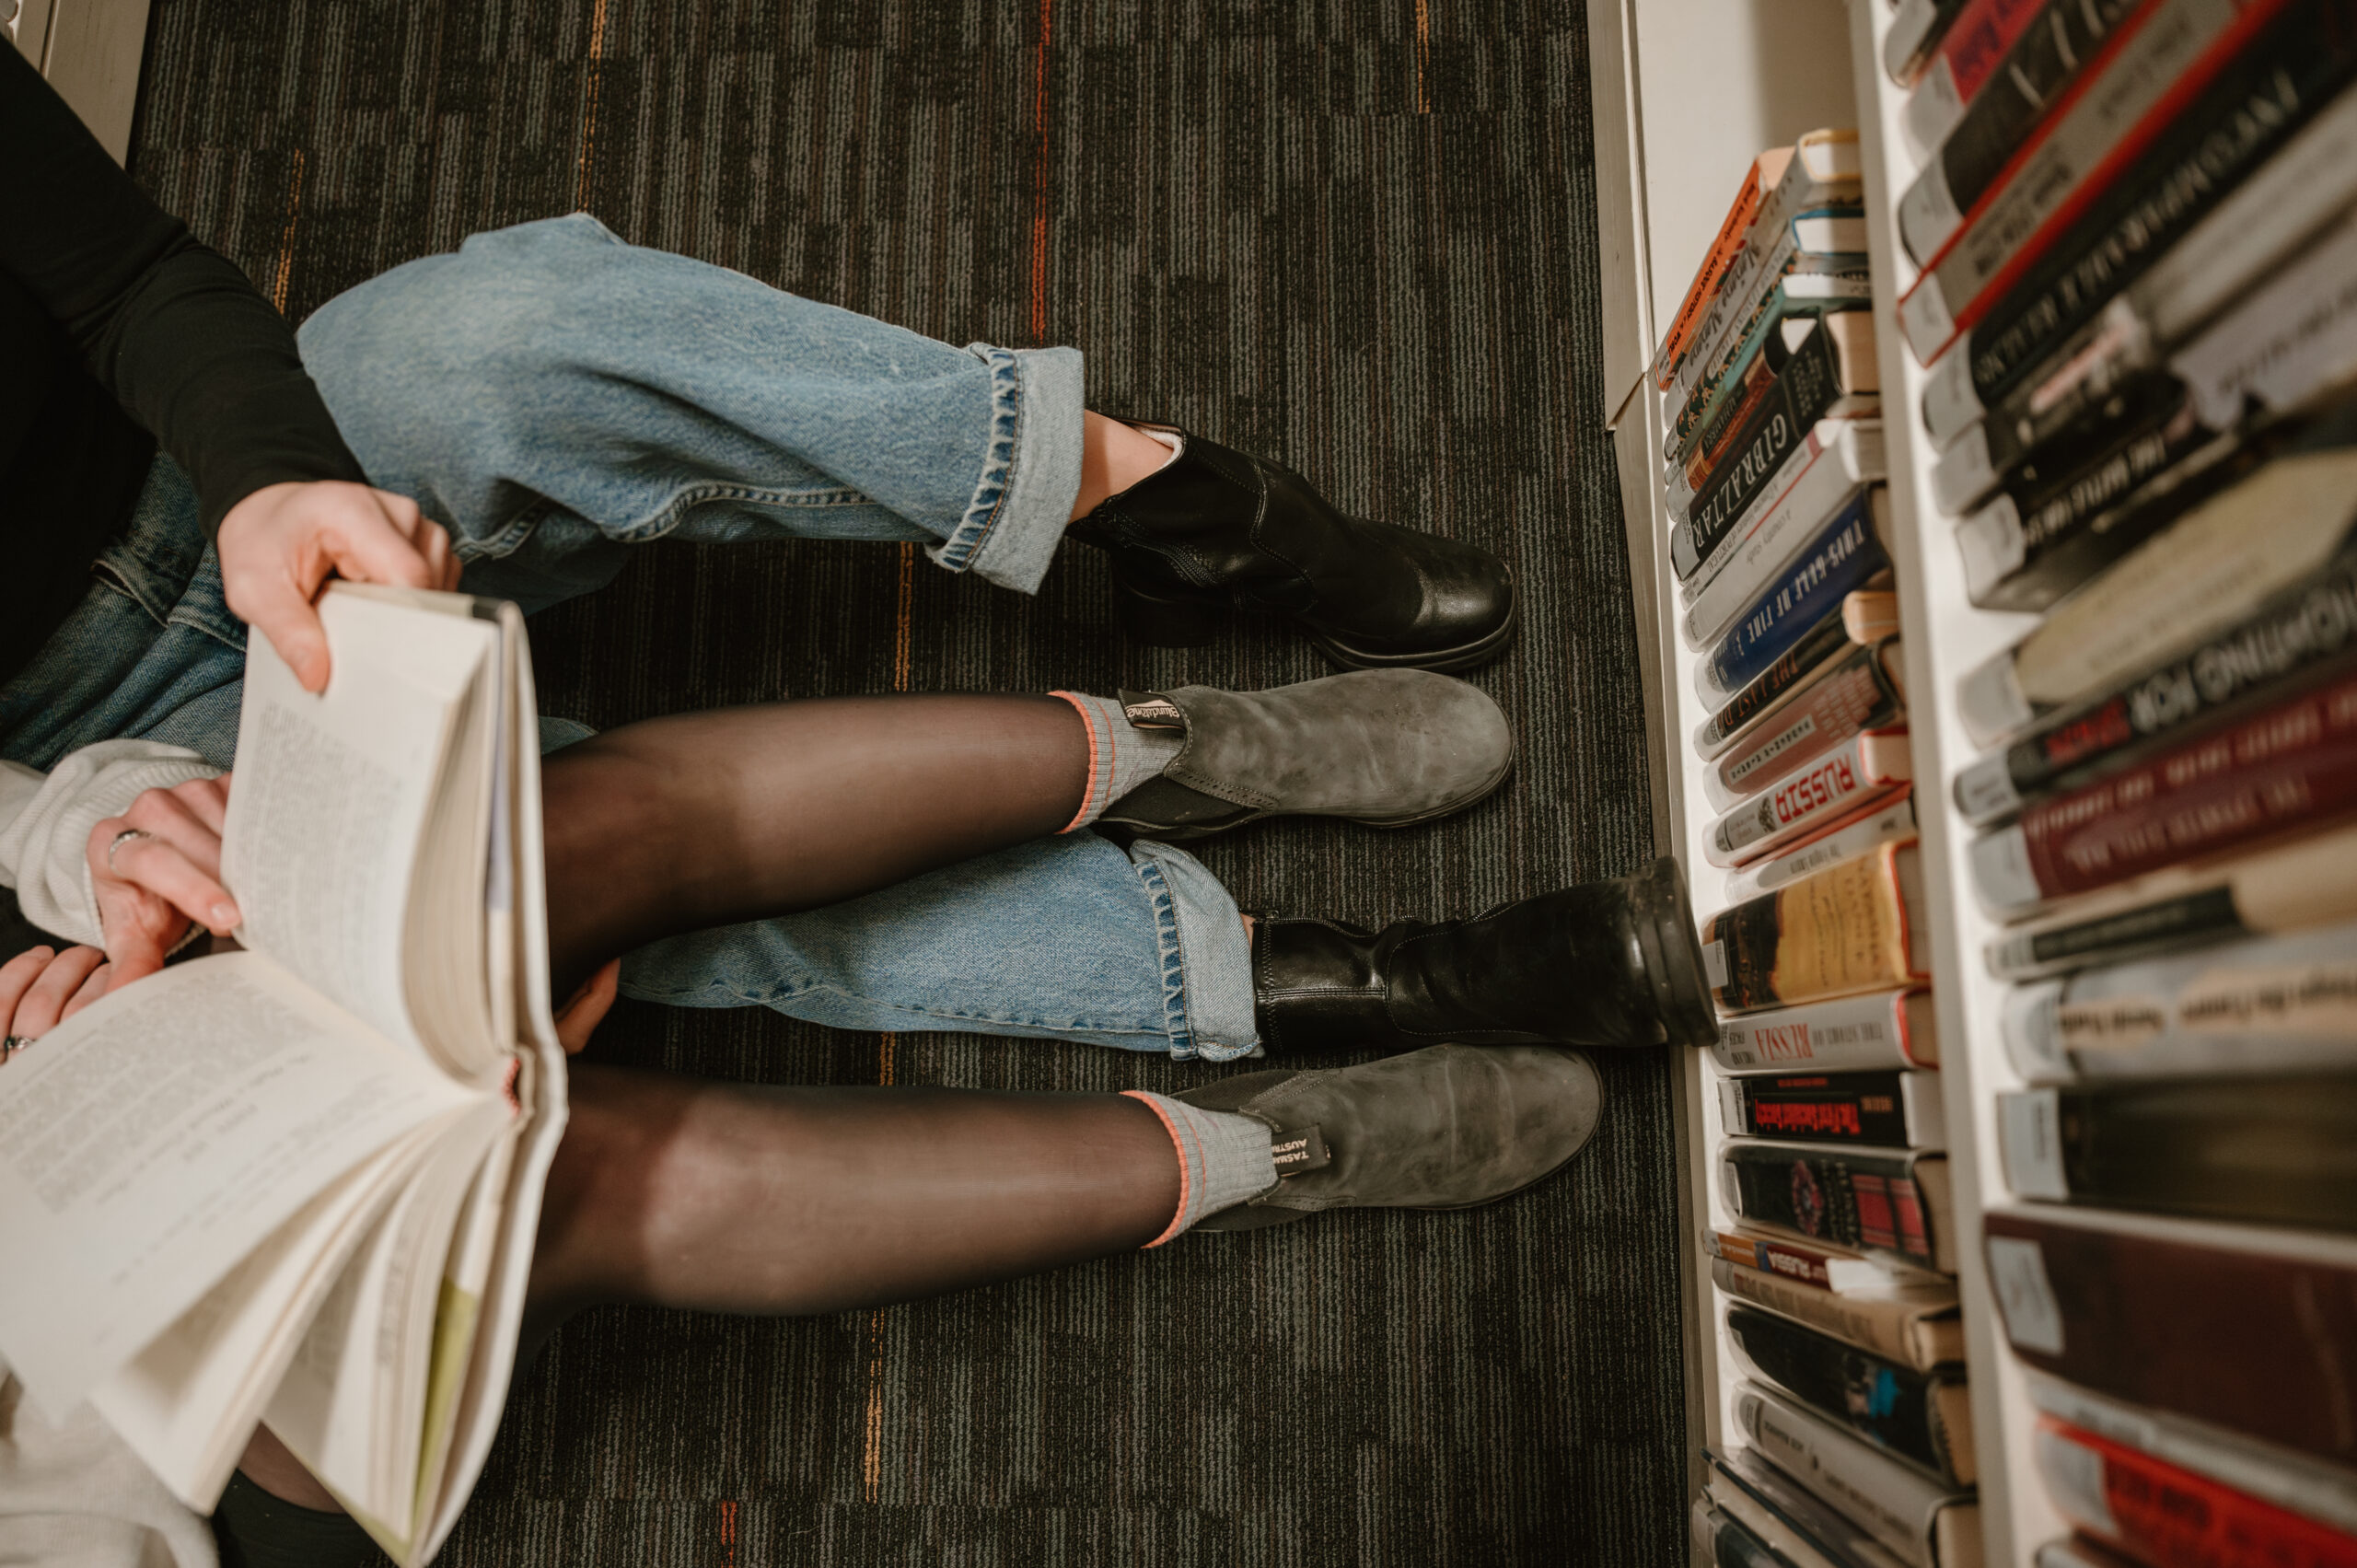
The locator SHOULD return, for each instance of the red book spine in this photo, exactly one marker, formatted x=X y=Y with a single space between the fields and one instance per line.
x=2171 y=1517
x=1976 y=45
x=2294 y=764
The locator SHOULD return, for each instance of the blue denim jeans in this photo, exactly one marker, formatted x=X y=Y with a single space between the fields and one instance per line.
x=551 y=396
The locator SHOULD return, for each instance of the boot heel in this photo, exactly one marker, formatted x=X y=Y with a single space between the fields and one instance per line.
x=1165 y=623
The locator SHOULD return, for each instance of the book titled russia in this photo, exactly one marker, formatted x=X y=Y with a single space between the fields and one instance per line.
x=1855 y=926
x=1890 y=1201
x=1855 y=778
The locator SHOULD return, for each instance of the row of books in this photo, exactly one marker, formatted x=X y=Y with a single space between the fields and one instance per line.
x=1851 y=1436
x=2135 y=223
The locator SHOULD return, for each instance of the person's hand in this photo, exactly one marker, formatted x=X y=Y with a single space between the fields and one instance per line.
x=151 y=886
x=280 y=543
x=587 y=1010
x=43 y=988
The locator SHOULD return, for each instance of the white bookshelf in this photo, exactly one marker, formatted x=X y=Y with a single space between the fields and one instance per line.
x=1662 y=193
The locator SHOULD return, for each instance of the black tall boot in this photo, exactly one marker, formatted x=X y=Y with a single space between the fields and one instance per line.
x=1214 y=532
x=1603 y=964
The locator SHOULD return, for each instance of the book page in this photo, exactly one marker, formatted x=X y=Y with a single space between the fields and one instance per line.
x=156 y=1140
x=332 y=794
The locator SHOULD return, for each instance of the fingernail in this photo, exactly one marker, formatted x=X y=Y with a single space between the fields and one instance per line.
x=225 y=917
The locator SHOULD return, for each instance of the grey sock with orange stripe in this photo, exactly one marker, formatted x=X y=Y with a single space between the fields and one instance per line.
x=1121 y=755
x=1223 y=1159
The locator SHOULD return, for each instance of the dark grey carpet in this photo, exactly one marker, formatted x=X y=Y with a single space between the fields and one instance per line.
x=1360 y=238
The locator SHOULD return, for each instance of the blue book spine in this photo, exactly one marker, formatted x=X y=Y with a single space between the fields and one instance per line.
x=1843 y=558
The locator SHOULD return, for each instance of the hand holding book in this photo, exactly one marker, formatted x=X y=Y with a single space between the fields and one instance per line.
x=157 y=869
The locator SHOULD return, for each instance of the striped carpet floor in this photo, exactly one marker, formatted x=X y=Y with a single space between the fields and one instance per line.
x=1359 y=238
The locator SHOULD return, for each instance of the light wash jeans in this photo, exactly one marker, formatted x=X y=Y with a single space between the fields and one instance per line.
x=551 y=396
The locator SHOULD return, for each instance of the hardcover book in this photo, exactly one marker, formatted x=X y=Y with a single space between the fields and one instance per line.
x=1885 y=1031
x=1879 y=1107
x=1894 y=824
x=1918 y=1329
x=1850 y=557
x=1924 y=1522
x=1828 y=1268
x=2275 y=1150
x=1795 y=1521
x=2169 y=1516
x=1853 y=779
x=1855 y=926
x=351 y=1264
x=1922 y=1418
x=1878 y=1201
x=2244 y=1329
x=1787 y=520
x=1971 y=53
x=2263 y=1005
x=1726 y=249
x=1862 y=694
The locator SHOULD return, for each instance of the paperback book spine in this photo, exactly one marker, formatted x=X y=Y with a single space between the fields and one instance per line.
x=2042 y=64
x=2171 y=1517
x=1729 y=1544
x=1845 y=1108
x=1997 y=454
x=1693 y=461
x=1747 y=1485
x=1803 y=392
x=2269 y=1151
x=2091 y=140
x=1894 y=824
x=1904 y=1327
x=1727 y=248
x=2191 y=173
x=1847 y=556
x=1900 y=1506
x=2303 y=633
x=2248 y=1339
x=1978 y=43
x=1843 y=1272
x=1845 y=930
x=1876 y=1201
x=1916 y=1416
x=1778 y=528
x=1795 y=294
x=1855 y=696
x=1853 y=779
x=1889 y=1030
x=1796 y=670
x=2296 y=762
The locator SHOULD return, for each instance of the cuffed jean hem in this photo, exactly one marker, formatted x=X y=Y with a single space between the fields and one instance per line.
x=1206 y=957
x=1030 y=472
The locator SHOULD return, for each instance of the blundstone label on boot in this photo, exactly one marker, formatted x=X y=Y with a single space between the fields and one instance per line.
x=1299 y=1149
x=1156 y=713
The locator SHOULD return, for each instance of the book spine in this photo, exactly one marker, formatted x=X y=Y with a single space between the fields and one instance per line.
x=1804 y=390
x=2282 y=1003
x=1894 y=824
x=1877 y=1400
x=1734 y=230
x=1853 y=698
x=1787 y=1260
x=1894 y=1502
x=1777 y=532
x=1876 y=1108
x=1816 y=1534
x=2297 y=635
x=2266 y=1151
x=1796 y=669
x=1974 y=48
x=2043 y=61
x=2253 y=1341
x=2296 y=762
x=1839 y=933
x=1844 y=558
x=2094 y=135
x=2234 y=130
x=1856 y=1199
x=2027 y=459
x=1796 y=297
x=1885 y=1325
x=2164 y=924
x=1751 y=297
x=1813 y=795
x=2169 y=1516
x=1852 y=1033
x=1693 y=460
x=1914 y=33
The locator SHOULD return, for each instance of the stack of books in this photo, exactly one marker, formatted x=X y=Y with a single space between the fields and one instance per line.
x=2135 y=223
x=1834 y=1264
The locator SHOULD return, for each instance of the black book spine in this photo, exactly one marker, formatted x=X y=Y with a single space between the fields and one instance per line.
x=1851 y=1200
x=2187 y=921
x=1805 y=388
x=1887 y=1404
x=1822 y=642
x=1773 y=354
x=2264 y=1151
x=2043 y=61
x=2027 y=454
x=2307 y=629
x=2292 y=70
x=1824 y=1107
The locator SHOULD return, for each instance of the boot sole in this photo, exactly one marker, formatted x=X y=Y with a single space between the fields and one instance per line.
x=1192 y=624
x=1443 y=661
x=1185 y=832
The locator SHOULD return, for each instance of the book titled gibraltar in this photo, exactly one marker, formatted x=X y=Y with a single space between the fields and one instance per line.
x=2294 y=763
x=1887 y=1201
x=1891 y=1030
x=2243 y=1329
x=1855 y=926
x=1901 y=1109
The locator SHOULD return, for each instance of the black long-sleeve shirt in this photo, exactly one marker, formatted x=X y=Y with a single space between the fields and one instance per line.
x=119 y=332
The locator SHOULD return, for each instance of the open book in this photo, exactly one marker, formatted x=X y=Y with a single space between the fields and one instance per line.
x=301 y=1182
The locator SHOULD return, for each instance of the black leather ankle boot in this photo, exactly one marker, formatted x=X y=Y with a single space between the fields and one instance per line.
x=1214 y=532
x=1603 y=964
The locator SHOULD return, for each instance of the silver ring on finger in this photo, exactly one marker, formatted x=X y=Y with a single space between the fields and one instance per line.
x=123 y=838
x=13 y=1045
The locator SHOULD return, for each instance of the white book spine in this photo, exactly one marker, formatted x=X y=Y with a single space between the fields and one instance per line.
x=1885 y=827
x=1756 y=549
x=1854 y=1033
x=1897 y=1504
x=1812 y=794
x=1931 y=109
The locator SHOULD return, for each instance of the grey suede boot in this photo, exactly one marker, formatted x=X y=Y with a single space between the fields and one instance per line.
x=1447 y=1127
x=1384 y=747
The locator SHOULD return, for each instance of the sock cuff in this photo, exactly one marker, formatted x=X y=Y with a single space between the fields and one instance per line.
x=1223 y=1159
x=1101 y=743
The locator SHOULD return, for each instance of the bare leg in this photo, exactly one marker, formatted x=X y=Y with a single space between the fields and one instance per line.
x=1113 y=457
